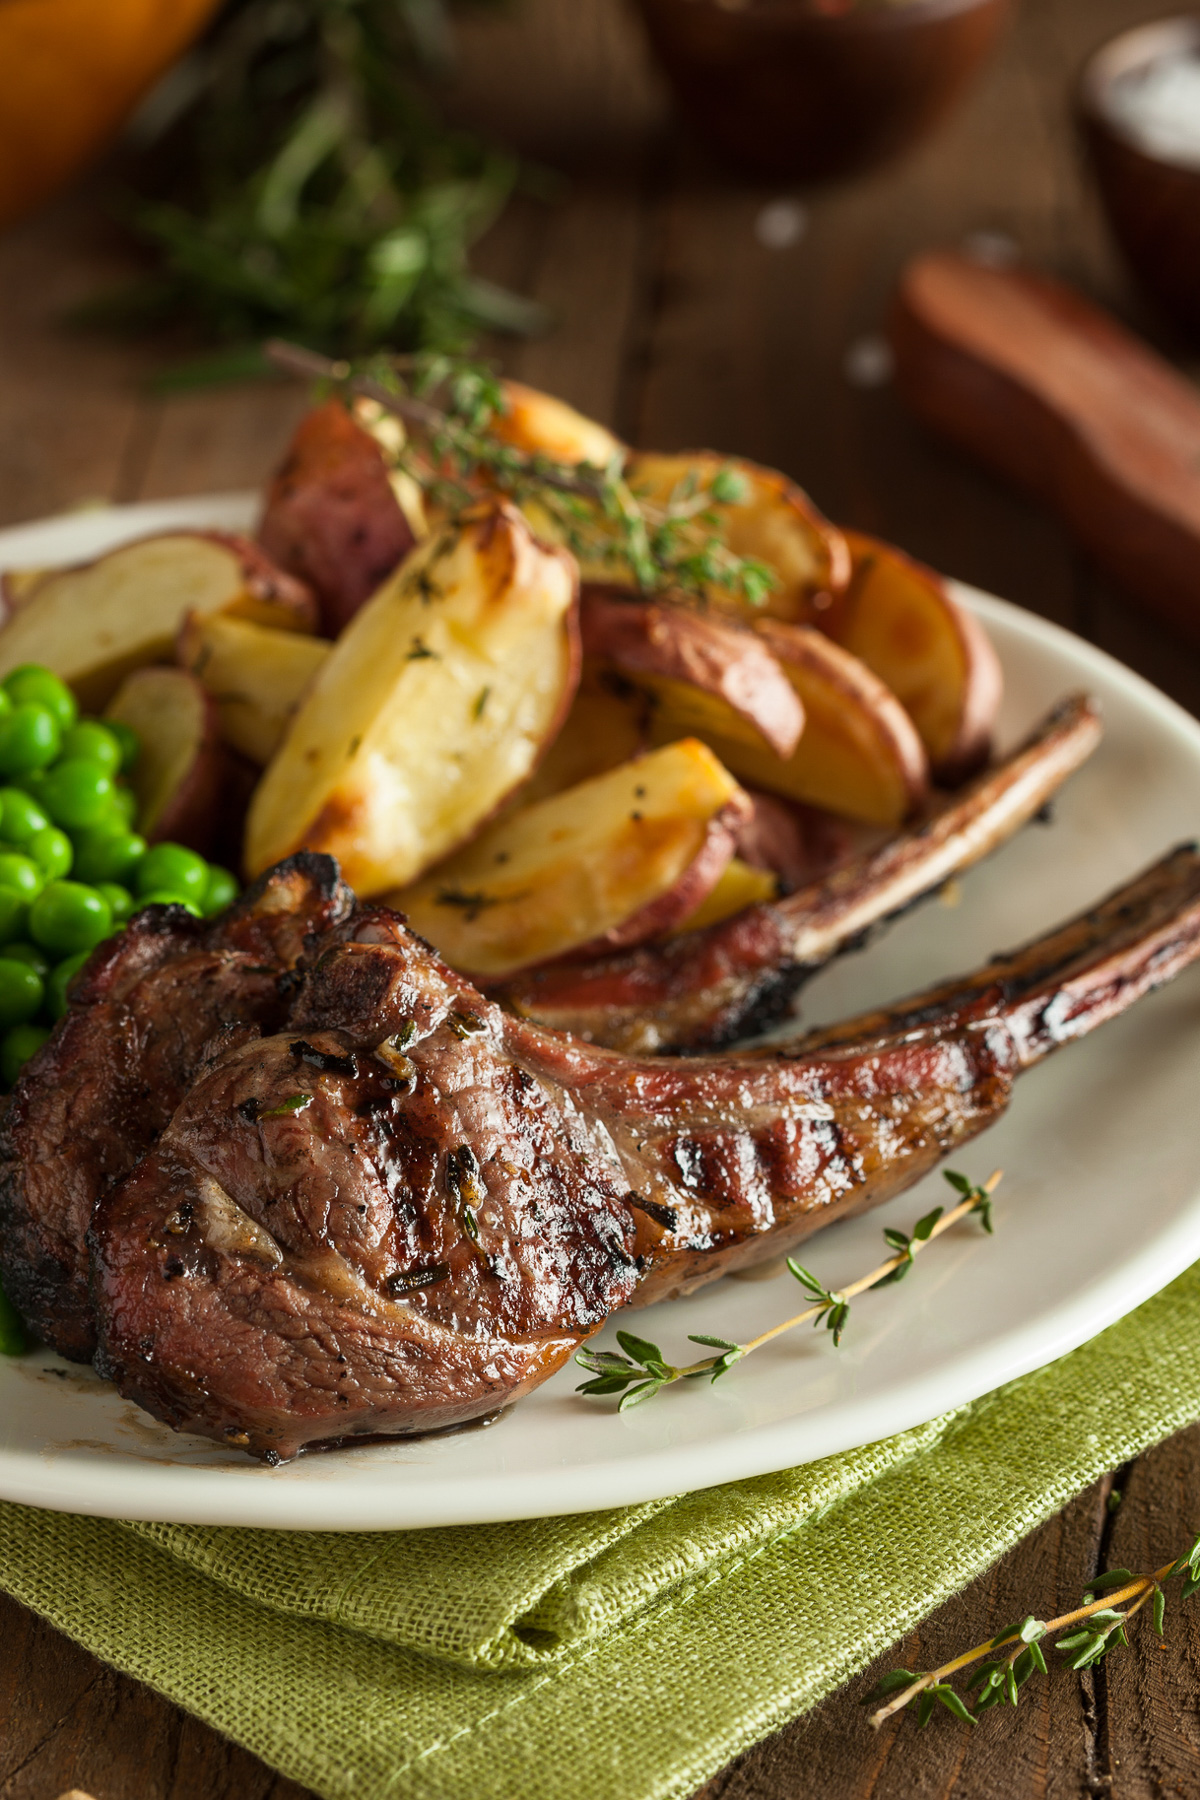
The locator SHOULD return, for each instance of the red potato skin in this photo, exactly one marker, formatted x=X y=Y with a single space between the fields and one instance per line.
x=267 y=580
x=283 y=593
x=648 y=637
x=973 y=744
x=678 y=903
x=195 y=812
x=795 y=842
x=331 y=517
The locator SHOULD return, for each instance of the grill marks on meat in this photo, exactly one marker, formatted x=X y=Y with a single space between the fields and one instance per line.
x=309 y=1255
x=710 y=988
x=256 y=1275
x=150 y=1006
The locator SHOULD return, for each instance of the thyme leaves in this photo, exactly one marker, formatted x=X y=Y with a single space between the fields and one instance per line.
x=1090 y=1633
x=672 y=545
x=643 y=1371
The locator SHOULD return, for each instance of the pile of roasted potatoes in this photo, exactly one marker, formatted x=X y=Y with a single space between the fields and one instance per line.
x=530 y=758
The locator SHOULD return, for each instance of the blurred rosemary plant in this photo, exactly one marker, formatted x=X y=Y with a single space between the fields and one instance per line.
x=294 y=174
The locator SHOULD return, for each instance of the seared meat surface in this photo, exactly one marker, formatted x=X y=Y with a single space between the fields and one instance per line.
x=338 y=1236
x=709 y=988
x=408 y=1207
x=148 y=1008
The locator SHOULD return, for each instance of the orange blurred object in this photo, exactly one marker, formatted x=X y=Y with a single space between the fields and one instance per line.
x=71 y=71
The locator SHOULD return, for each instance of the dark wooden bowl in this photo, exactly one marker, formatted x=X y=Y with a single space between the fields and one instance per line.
x=1153 y=206
x=780 y=90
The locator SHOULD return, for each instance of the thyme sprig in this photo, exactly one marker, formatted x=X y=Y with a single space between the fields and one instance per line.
x=643 y=1371
x=1110 y=1602
x=452 y=452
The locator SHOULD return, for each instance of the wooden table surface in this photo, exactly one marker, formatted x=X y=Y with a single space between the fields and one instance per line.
x=678 y=325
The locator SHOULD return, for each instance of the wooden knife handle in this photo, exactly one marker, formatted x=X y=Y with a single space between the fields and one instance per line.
x=1056 y=395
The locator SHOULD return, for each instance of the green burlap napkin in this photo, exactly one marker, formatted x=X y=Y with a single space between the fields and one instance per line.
x=625 y=1654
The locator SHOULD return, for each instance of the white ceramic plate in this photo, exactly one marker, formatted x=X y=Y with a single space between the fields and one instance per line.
x=1100 y=1206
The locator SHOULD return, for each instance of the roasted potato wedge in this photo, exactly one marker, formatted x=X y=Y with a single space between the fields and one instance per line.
x=618 y=859
x=255 y=675
x=738 y=886
x=897 y=617
x=95 y=623
x=860 y=755
x=179 y=772
x=608 y=724
x=332 y=515
x=433 y=706
x=16 y=587
x=540 y=423
x=774 y=521
x=704 y=674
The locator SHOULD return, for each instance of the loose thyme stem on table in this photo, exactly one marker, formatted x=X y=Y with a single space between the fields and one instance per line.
x=1103 y=1628
x=643 y=1370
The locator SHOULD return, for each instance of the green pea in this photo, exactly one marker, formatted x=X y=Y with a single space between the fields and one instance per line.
x=108 y=854
x=21 y=874
x=14 y=915
x=125 y=806
x=119 y=898
x=16 y=1048
x=52 y=851
x=21 y=992
x=34 y=685
x=14 y=1339
x=178 y=870
x=128 y=740
x=61 y=979
x=20 y=815
x=90 y=741
x=220 y=891
x=164 y=897
x=68 y=917
x=29 y=953
x=29 y=740
x=77 y=793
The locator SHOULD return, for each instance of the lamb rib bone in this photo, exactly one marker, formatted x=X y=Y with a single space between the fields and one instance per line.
x=710 y=988
x=409 y=1207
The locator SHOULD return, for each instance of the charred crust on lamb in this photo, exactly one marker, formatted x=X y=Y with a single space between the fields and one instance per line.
x=430 y=1203
x=148 y=1009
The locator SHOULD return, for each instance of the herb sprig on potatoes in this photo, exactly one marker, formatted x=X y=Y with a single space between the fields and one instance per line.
x=452 y=444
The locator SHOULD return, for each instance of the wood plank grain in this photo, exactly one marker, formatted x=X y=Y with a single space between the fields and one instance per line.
x=676 y=324
x=219 y=439
x=1149 y=1697
x=67 y=1721
x=71 y=413
x=1045 y=1747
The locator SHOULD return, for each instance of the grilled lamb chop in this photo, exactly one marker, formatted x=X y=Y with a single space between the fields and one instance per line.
x=710 y=988
x=408 y=1208
x=144 y=1014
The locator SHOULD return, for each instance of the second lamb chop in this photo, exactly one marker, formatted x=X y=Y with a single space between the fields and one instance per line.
x=407 y=1208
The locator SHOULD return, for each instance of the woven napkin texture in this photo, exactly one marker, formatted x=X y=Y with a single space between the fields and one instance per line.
x=622 y=1655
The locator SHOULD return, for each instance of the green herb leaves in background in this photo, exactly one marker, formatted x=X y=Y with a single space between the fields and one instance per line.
x=297 y=176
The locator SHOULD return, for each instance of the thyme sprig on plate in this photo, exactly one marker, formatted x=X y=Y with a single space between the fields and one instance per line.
x=1100 y=1623
x=643 y=1371
x=450 y=449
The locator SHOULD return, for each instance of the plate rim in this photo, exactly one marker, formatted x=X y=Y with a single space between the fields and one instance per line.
x=373 y=1499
